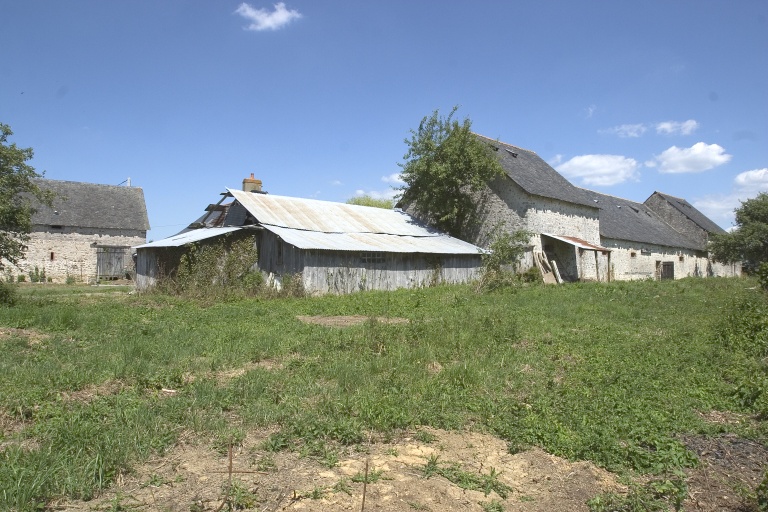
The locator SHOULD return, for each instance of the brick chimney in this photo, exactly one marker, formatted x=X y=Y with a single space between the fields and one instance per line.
x=251 y=184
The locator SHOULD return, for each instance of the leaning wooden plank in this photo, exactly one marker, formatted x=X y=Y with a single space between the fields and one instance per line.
x=556 y=272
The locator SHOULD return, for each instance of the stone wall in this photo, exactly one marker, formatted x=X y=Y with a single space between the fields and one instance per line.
x=633 y=260
x=677 y=219
x=71 y=252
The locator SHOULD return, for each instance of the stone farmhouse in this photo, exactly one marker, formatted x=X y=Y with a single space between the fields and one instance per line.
x=333 y=247
x=87 y=234
x=593 y=236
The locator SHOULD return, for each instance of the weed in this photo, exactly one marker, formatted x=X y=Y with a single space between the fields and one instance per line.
x=656 y=495
x=492 y=506
x=453 y=472
x=343 y=486
x=373 y=476
x=425 y=437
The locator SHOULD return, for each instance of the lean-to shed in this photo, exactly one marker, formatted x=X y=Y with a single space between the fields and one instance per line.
x=334 y=247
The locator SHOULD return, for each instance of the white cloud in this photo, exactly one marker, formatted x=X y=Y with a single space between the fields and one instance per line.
x=336 y=183
x=627 y=130
x=753 y=181
x=675 y=127
x=378 y=194
x=262 y=19
x=590 y=110
x=720 y=207
x=395 y=179
x=699 y=157
x=600 y=170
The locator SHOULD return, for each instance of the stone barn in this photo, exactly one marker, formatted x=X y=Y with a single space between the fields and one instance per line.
x=87 y=234
x=584 y=235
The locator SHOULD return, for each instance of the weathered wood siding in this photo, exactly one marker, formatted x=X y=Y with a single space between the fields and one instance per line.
x=349 y=271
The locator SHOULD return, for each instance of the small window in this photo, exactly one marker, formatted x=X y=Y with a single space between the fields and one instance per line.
x=633 y=254
x=52 y=255
x=372 y=258
x=681 y=258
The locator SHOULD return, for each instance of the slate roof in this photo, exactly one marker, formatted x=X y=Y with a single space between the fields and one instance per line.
x=534 y=175
x=623 y=219
x=692 y=213
x=88 y=205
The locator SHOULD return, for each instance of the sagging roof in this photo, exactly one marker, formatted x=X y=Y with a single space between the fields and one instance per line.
x=188 y=237
x=315 y=224
x=577 y=242
x=622 y=219
x=692 y=213
x=534 y=175
x=89 y=205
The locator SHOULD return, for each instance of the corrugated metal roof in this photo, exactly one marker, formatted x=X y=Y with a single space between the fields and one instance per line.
x=189 y=237
x=328 y=217
x=577 y=242
x=375 y=242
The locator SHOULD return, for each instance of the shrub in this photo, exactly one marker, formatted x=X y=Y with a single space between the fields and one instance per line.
x=502 y=259
x=7 y=294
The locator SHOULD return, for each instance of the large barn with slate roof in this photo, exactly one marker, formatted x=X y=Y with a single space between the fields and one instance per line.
x=593 y=236
x=88 y=232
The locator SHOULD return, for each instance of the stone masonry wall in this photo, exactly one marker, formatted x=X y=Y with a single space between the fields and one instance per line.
x=67 y=252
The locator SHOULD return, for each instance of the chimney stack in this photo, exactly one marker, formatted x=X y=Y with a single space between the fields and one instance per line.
x=251 y=184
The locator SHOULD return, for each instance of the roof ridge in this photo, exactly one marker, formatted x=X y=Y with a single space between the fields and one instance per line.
x=502 y=142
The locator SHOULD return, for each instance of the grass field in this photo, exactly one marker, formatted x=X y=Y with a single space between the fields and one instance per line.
x=95 y=380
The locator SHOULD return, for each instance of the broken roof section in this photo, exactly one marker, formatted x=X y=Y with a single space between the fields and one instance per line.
x=189 y=236
x=324 y=225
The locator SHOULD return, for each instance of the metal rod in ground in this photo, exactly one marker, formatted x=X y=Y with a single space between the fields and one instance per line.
x=365 y=485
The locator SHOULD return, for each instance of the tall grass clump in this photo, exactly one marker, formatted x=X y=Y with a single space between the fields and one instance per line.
x=8 y=294
x=744 y=330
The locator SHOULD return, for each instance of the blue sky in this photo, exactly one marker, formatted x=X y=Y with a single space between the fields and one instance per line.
x=187 y=97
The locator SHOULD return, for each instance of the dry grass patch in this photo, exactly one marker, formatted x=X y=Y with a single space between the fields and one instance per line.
x=347 y=321
x=33 y=337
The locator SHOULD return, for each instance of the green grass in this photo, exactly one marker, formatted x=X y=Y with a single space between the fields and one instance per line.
x=608 y=372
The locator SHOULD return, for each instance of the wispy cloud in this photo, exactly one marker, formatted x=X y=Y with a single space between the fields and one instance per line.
x=600 y=170
x=677 y=128
x=394 y=180
x=590 y=111
x=626 y=130
x=262 y=19
x=698 y=158
x=746 y=185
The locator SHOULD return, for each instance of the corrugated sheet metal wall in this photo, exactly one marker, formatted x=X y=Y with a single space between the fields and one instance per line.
x=348 y=271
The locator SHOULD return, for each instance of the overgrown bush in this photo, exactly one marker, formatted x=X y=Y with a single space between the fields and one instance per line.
x=500 y=263
x=222 y=269
x=7 y=294
x=37 y=275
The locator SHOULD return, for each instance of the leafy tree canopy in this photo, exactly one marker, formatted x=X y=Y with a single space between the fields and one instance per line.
x=366 y=200
x=747 y=243
x=445 y=165
x=17 y=191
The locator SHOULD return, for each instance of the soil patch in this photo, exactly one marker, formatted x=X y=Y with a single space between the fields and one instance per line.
x=729 y=467
x=194 y=477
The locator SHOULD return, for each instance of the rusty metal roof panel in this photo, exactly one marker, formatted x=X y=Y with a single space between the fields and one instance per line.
x=577 y=242
x=374 y=242
x=328 y=217
x=189 y=237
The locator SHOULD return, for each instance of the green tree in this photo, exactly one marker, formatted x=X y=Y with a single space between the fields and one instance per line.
x=747 y=243
x=18 y=191
x=367 y=200
x=446 y=164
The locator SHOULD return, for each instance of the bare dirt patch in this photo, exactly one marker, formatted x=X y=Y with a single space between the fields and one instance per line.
x=93 y=391
x=729 y=467
x=33 y=337
x=346 y=321
x=194 y=477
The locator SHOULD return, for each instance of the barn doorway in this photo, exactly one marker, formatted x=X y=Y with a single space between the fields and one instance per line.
x=113 y=262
